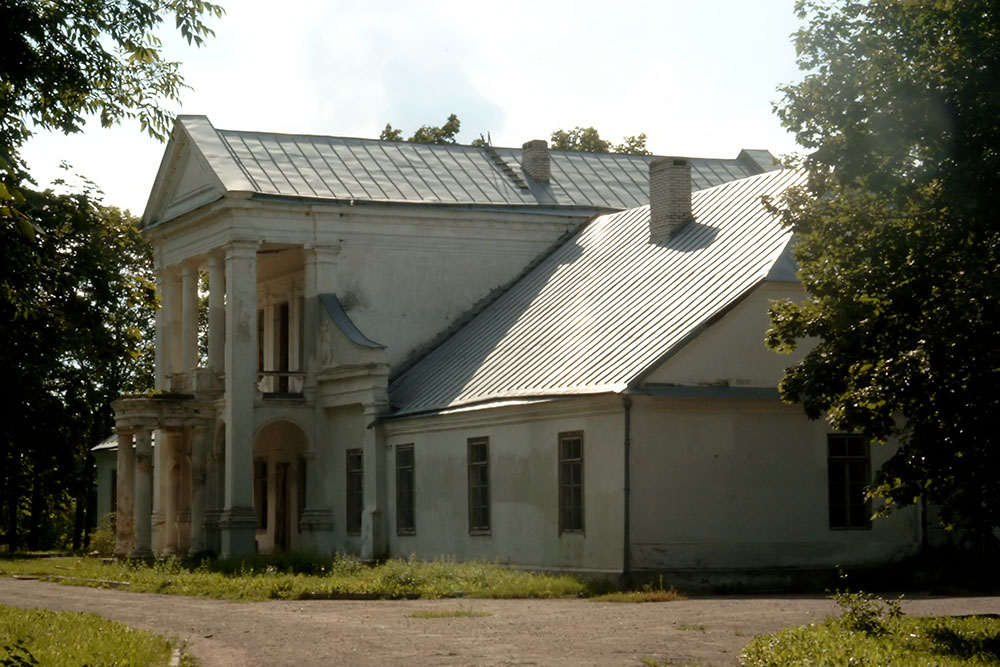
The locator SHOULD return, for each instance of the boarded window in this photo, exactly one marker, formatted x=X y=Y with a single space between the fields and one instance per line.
x=570 y=482
x=848 y=473
x=355 y=500
x=479 y=486
x=405 y=515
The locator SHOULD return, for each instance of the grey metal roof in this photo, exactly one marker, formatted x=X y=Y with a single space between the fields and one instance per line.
x=606 y=305
x=343 y=168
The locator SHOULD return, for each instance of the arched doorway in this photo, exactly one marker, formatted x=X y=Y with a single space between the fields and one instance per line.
x=279 y=485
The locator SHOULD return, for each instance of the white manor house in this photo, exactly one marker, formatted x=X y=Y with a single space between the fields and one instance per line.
x=546 y=358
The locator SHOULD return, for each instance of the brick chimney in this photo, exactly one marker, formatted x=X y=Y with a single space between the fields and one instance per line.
x=669 y=197
x=535 y=160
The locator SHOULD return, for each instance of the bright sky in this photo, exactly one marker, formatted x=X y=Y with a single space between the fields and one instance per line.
x=697 y=76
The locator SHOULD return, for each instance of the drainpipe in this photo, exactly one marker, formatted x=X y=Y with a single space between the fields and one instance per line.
x=626 y=493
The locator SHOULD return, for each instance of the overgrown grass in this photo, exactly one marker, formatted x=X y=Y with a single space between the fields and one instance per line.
x=648 y=593
x=449 y=613
x=872 y=631
x=296 y=577
x=40 y=637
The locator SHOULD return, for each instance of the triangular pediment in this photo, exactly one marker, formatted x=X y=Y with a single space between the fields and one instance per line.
x=196 y=170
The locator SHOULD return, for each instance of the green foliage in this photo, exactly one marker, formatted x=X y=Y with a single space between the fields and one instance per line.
x=304 y=577
x=970 y=640
x=77 y=305
x=427 y=134
x=898 y=243
x=102 y=540
x=62 y=61
x=589 y=139
x=41 y=637
x=867 y=613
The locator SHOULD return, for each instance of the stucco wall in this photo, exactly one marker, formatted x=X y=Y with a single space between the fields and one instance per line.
x=731 y=351
x=721 y=483
x=523 y=462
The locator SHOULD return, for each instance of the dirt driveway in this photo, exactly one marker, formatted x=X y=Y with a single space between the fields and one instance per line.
x=704 y=631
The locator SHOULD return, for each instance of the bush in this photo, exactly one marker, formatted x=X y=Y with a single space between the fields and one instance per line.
x=102 y=540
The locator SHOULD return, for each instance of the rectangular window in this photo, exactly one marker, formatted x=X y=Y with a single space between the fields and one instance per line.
x=260 y=492
x=848 y=474
x=405 y=516
x=355 y=491
x=571 y=482
x=479 y=486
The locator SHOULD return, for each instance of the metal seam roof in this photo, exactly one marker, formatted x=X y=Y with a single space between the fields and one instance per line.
x=606 y=305
x=321 y=167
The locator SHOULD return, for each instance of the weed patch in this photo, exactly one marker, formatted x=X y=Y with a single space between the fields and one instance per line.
x=449 y=613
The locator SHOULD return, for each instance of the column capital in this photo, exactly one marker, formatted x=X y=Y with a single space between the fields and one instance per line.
x=242 y=248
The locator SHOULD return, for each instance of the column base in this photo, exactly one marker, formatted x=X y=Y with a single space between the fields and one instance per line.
x=237 y=528
x=372 y=543
x=141 y=554
x=317 y=530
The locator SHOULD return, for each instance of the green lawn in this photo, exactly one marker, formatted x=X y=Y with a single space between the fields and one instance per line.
x=40 y=637
x=301 y=577
x=872 y=631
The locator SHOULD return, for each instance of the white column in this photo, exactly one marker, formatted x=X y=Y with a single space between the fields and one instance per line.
x=160 y=350
x=372 y=529
x=189 y=320
x=318 y=278
x=143 y=507
x=171 y=450
x=199 y=451
x=171 y=306
x=216 y=313
x=123 y=511
x=238 y=522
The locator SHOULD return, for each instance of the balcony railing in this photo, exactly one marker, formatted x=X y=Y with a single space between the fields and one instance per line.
x=280 y=384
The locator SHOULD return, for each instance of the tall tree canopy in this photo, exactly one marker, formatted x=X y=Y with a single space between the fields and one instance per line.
x=588 y=139
x=77 y=304
x=61 y=61
x=578 y=139
x=899 y=242
x=427 y=134
x=75 y=293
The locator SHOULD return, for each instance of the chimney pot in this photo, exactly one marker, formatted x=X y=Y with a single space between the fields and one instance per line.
x=669 y=197
x=535 y=160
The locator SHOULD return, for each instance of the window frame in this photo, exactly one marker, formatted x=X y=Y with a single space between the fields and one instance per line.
x=406 y=513
x=571 y=516
x=354 y=490
x=856 y=449
x=479 y=487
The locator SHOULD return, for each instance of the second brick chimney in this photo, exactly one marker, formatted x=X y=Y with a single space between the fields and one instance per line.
x=669 y=197
x=535 y=160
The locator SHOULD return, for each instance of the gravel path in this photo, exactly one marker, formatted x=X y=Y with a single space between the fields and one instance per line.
x=703 y=631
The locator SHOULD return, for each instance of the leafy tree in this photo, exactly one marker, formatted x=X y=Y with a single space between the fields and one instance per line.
x=588 y=139
x=77 y=305
x=899 y=243
x=427 y=134
x=63 y=60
